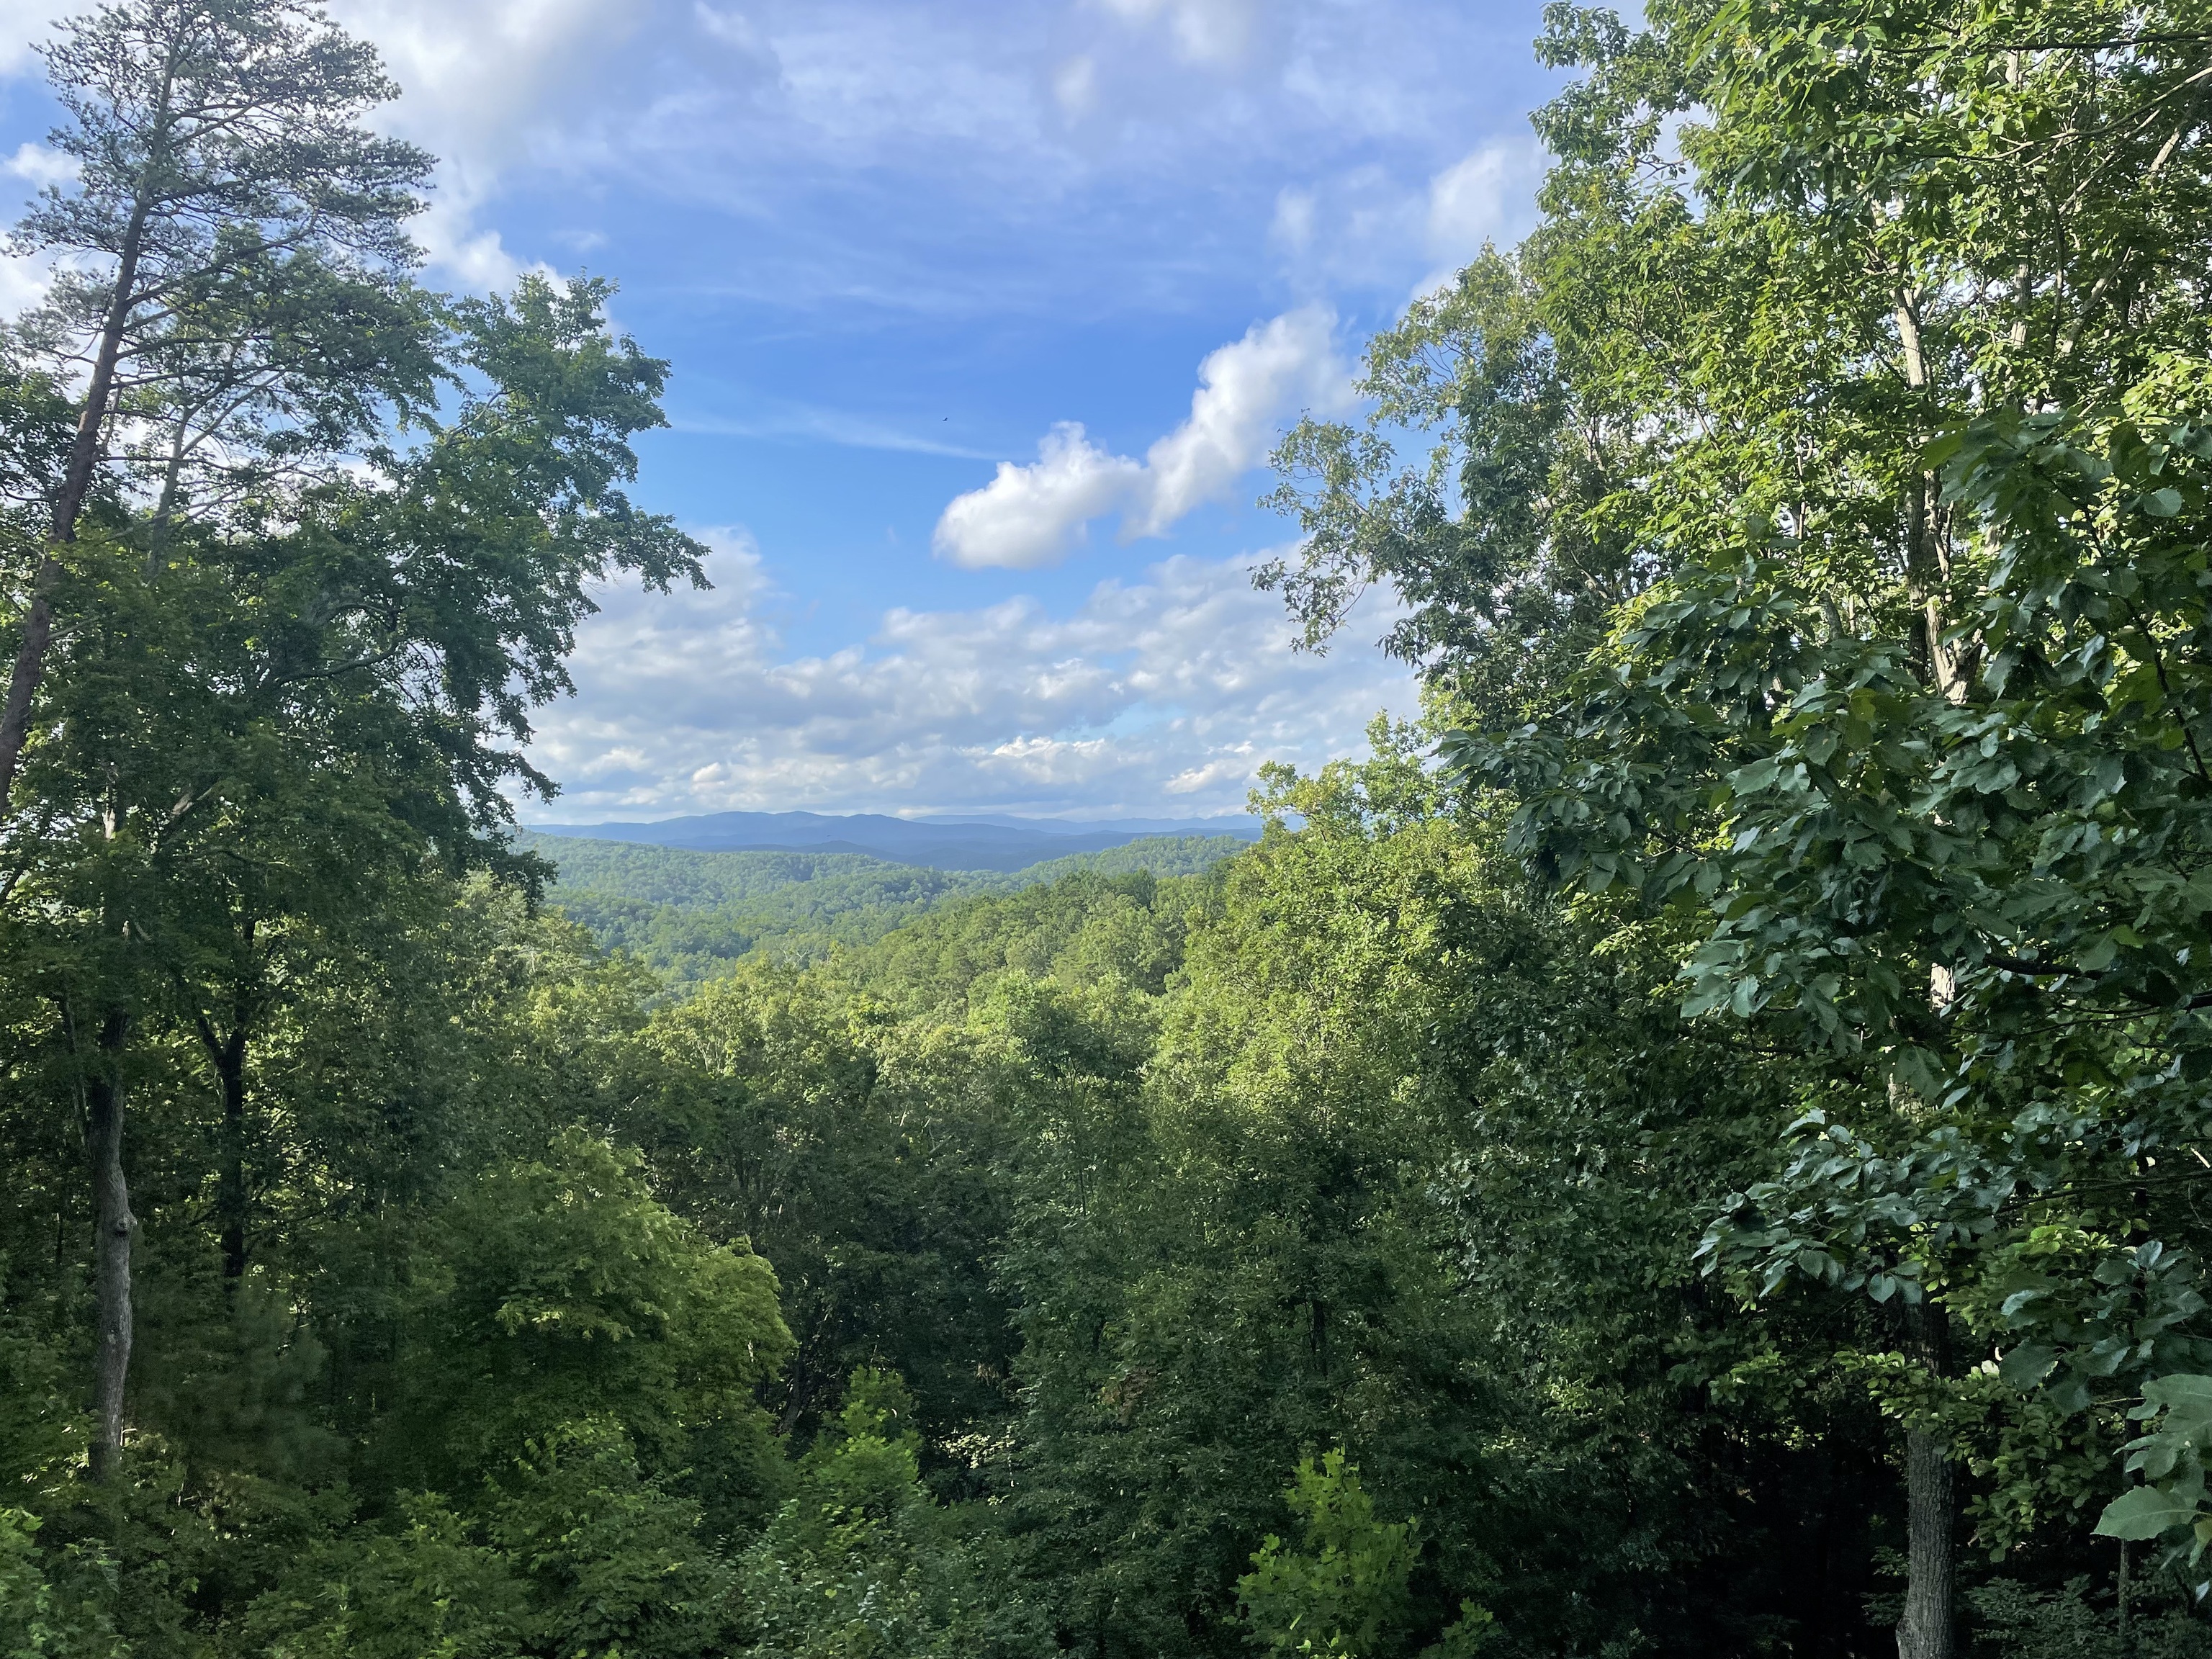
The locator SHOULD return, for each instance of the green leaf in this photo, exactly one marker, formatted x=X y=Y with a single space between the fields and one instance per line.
x=2070 y=1393
x=2146 y=1512
x=2026 y=1366
x=2181 y=1388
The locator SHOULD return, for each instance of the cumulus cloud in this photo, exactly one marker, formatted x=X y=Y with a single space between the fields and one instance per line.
x=474 y=79
x=476 y=83
x=1028 y=516
x=25 y=280
x=1171 y=688
x=1245 y=390
x=474 y=256
x=1035 y=514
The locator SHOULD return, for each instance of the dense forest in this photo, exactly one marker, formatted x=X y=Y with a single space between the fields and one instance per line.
x=1695 y=1148
x=688 y=915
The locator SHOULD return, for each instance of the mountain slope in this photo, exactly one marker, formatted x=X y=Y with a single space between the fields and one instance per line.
x=1002 y=844
x=690 y=913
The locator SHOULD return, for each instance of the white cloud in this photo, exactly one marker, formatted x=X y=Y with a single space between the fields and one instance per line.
x=23 y=24
x=975 y=155
x=1033 y=515
x=40 y=166
x=474 y=76
x=1075 y=85
x=1204 y=31
x=1028 y=516
x=1488 y=196
x=23 y=283
x=1171 y=688
x=1293 y=225
x=479 y=84
x=477 y=259
x=1245 y=391
x=1367 y=227
x=24 y=279
x=733 y=29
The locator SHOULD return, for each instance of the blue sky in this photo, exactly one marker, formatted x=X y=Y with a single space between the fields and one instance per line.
x=983 y=317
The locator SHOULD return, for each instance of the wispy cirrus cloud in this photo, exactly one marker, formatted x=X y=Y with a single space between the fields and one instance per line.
x=840 y=427
x=1203 y=31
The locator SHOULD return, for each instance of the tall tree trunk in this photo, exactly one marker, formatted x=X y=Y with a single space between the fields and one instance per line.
x=85 y=452
x=89 y=447
x=114 y=1226
x=1930 y=1499
x=227 y=1053
x=1926 y=567
x=1931 y=1508
x=230 y=1182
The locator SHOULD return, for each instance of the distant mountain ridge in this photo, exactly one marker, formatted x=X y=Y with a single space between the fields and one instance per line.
x=934 y=843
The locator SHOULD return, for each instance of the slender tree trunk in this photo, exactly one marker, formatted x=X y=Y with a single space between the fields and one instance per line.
x=1926 y=567
x=230 y=1182
x=226 y=1054
x=1931 y=1502
x=2127 y=1644
x=88 y=446
x=1931 y=1510
x=1924 y=579
x=30 y=667
x=69 y=505
x=113 y=1229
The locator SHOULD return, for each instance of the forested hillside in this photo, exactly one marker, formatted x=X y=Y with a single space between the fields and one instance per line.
x=1006 y=844
x=689 y=914
x=1696 y=1148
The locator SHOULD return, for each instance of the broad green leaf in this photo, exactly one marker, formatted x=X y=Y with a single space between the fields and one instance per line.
x=2145 y=1512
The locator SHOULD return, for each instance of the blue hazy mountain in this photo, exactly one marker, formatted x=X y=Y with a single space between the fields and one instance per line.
x=935 y=844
